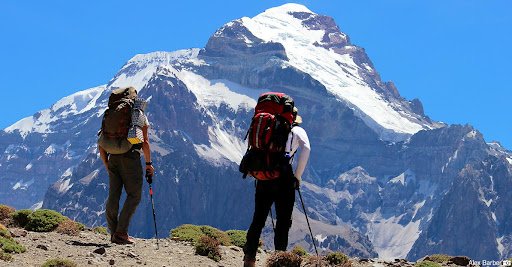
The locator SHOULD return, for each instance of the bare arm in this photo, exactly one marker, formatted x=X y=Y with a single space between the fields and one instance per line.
x=303 y=160
x=147 y=150
x=301 y=140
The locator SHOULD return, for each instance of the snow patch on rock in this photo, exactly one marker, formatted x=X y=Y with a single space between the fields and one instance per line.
x=391 y=239
x=342 y=80
x=223 y=146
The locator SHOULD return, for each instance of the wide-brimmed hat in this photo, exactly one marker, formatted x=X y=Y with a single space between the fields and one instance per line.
x=298 y=118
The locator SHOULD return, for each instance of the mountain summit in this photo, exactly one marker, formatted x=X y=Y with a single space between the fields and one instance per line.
x=383 y=178
x=314 y=44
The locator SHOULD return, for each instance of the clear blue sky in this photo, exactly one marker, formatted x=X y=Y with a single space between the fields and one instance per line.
x=454 y=55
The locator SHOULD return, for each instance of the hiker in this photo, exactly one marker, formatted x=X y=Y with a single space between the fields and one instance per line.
x=280 y=191
x=122 y=159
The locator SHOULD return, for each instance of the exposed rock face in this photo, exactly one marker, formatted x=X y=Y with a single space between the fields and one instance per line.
x=468 y=208
x=382 y=177
x=33 y=159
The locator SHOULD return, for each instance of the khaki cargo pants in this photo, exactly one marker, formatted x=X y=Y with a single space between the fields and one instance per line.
x=123 y=170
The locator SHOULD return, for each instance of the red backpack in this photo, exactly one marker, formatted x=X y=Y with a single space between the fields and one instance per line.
x=268 y=133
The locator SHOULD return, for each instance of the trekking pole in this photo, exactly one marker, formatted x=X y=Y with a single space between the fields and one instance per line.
x=307 y=220
x=149 y=179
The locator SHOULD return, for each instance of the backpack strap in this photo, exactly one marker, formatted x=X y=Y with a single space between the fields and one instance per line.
x=290 y=147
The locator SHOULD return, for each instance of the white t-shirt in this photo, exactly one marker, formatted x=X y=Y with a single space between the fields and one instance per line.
x=298 y=138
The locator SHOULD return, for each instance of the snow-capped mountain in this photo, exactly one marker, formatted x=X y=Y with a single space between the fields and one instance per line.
x=383 y=179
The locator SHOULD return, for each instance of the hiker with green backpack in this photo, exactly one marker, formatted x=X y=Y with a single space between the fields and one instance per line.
x=274 y=138
x=123 y=137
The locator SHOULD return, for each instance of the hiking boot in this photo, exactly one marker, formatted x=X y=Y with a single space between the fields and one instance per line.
x=122 y=239
x=249 y=262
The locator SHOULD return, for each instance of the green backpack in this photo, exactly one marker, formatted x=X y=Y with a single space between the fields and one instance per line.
x=113 y=136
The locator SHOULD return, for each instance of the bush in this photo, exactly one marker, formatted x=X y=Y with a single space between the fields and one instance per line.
x=336 y=258
x=216 y=234
x=9 y=245
x=59 y=263
x=44 y=220
x=192 y=233
x=20 y=217
x=5 y=256
x=4 y=232
x=427 y=264
x=208 y=246
x=283 y=258
x=187 y=232
x=237 y=237
x=69 y=227
x=439 y=258
x=80 y=226
x=300 y=251
x=100 y=230
x=6 y=212
x=316 y=261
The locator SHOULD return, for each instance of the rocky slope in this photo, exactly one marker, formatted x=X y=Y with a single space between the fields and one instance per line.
x=83 y=250
x=93 y=249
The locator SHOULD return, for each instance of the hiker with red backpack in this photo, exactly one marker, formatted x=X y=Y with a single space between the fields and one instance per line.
x=123 y=136
x=274 y=138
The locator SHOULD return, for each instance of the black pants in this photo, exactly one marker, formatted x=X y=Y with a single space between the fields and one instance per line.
x=280 y=191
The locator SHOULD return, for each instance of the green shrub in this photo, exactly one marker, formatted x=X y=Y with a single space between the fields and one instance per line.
x=5 y=233
x=427 y=264
x=69 y=227
x=208 y=246
x=283 y=258
x=187 y=232
x=6 y=212
x=80 y=226
x=336 y=258
x=59 y=263
x=300 y=251
x=100 y=230
x=5 y=256
x=20 y=217
x=237 y=237
x=44 y=220
x=216 y=234
x=439 y=258
x=192 y=233
x=9 y=245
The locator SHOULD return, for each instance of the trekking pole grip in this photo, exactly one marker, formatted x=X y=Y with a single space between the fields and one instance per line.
x=149 y=178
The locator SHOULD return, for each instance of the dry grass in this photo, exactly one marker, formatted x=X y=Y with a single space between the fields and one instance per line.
x=316 y=261
x=280 y=259
x=69 y=227
x=209 y=247
x=6 y=212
